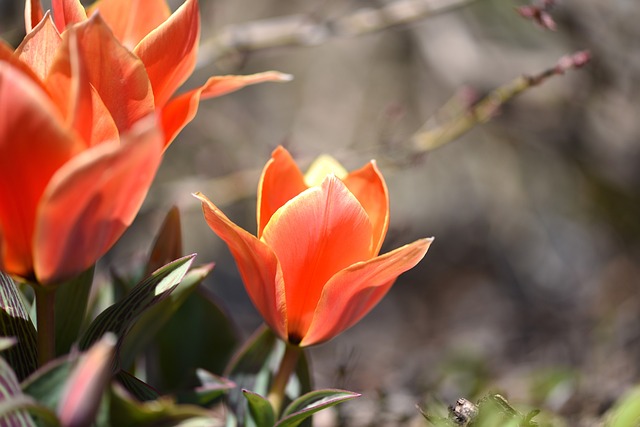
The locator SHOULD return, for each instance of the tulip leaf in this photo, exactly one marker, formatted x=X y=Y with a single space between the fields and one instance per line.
x=168 y=243
x=303 y=407
x=199 y=335
x=125 y=411
x=260 y=409
x=138 y=388
x=211 y=388
x=253 y=366
x=71 y=302
x=84 y=389
x=146 y=328
x=13 y=402
x=47 y=383
x=15 y=322
x=119 y=317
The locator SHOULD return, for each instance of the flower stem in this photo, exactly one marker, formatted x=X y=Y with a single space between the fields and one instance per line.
x=45 y=312
x=286 y=368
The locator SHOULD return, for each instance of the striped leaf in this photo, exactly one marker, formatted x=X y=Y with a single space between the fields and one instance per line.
x=15 y=322
x=120 y=317
x=12 y=401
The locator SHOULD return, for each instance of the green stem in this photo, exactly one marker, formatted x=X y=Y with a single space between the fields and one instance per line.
x=45 y=312
x=287 y=366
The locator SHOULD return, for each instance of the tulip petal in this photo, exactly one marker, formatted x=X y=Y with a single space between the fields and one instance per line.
x=92 y=199
x=368 y=185
x=118 y=75
x=169 y=52
x=7 y=55
x=38 y=48
x=33 y=145
x=182 y=109
x=129 y=20
x=319 y=232
x=354 y=291
x=67 y=13
x=280 y=182
x=68 y=83
x=257 y=264
x=33 y=14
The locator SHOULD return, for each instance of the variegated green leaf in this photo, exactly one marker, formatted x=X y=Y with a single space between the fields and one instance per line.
x=15 y=322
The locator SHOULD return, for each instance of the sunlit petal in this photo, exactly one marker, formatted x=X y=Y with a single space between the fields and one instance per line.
x=182 y=109
x=129 y=20
x=321 y=231
x=118 y=76
x=33 y=14
x=368 y=185
x=92 y=199
x=169 y=52
x=280 y=182
x=67 y=13
x=353 y=292
x=38 y=48
x=258 y=267
x=33 y=145
x=68 y=83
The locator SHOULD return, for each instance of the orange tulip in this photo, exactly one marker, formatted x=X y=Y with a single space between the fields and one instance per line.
x=166 y=43
x=313 y=270
x=79 y=147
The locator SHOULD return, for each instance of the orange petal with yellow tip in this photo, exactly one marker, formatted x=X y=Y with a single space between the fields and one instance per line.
x=354 y=291
x=316 y=234
x=368 y=185
x=33 y=14
x=67 y=13
x=280 y=182
x=38 y=48
x=257 y=264
x=130 y=20
x=68 y=83
x=91 y=201
x=33 y=145
x=182 y=109
x=169 y=52
x=118 y=76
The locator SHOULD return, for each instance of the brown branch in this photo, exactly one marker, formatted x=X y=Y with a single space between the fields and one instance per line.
x=305 y=30
x=460 y=119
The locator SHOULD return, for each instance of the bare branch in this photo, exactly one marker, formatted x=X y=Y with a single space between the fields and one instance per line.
x=459 y=118
x=305 y=30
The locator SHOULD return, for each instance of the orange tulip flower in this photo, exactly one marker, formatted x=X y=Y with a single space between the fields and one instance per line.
x=79 y=147
x=314 y=268
x=166 y=43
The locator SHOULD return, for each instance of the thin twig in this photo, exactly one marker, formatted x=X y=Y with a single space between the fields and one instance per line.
x=305 y=30
x=433 y=135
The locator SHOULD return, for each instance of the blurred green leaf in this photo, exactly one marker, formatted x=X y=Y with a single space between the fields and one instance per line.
x=146 y=328
x=211 y=387
x=125 y=411
x=260 y=409
x=626 y=412
x=84 y=389
x=312 y=402
x=253 y=366
x=13 y=412
x=199 y=335
x=119 y=317
x=168 y=243
x=46 y=384
x=15 y=322
x=71 y=304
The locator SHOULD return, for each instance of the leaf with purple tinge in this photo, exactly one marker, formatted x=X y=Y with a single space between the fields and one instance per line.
x=15 y=322
x=120 y=317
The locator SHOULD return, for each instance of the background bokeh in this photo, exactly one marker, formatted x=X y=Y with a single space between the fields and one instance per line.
x=531 y=286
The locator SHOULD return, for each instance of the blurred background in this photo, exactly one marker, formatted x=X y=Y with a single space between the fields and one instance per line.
x=531 y=288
